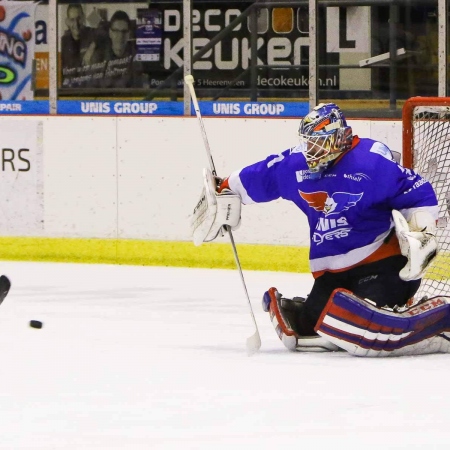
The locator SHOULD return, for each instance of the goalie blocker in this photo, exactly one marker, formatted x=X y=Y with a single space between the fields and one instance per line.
x=214 y=211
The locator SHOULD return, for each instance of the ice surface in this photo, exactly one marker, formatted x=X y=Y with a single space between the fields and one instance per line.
x=154 y=358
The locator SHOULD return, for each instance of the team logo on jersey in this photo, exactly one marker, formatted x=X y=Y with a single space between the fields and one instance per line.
x=334 y=204
x=328 y=229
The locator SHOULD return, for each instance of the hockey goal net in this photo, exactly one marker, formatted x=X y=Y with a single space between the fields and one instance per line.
x=426 y=149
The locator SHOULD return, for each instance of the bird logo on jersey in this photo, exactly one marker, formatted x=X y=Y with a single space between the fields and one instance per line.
x=334 y=204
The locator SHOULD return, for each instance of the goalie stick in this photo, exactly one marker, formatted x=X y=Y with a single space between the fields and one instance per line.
x=253 y=343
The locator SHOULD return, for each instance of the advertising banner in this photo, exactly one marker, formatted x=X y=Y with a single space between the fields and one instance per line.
x=16 y=50
x=158 y=108
x=10 y=107
x=148 y=35
x=281 y=40
x=98 y=44
x=21 y=181
x=208 y=108
x=156 y=34
x=122 y=107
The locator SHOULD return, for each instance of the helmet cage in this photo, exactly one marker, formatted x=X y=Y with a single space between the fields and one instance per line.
x=324 y=135
x=321 y=148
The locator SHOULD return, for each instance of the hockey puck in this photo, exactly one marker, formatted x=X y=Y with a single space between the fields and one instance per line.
x=35 y=324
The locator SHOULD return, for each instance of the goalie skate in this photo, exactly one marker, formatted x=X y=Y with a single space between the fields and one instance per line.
x=282 y=313
x=272 y=304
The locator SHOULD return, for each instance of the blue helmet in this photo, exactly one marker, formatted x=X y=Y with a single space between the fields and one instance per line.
x=325 y=135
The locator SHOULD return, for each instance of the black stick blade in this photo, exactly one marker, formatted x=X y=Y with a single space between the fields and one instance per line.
x=5 y=285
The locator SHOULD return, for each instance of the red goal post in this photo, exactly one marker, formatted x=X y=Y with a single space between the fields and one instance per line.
x=426 y=150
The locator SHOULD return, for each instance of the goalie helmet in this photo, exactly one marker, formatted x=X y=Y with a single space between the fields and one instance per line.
x=325 y=135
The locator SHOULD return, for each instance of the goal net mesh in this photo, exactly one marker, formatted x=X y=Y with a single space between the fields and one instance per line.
x=426 y=148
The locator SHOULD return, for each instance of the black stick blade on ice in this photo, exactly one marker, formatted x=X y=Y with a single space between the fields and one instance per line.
x=5 y=285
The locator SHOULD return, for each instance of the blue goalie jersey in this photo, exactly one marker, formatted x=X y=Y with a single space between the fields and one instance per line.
x=348 y=208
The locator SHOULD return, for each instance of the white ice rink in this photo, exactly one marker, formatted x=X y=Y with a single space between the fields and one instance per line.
x=154 y=358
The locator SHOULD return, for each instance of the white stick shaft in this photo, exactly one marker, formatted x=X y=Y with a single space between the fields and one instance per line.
x=189 y=80
x=254 y=341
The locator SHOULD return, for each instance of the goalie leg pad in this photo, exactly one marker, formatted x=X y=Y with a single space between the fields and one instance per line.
x=358 y=326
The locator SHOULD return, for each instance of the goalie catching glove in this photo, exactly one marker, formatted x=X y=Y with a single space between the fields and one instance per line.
x=214 y=211
x=417 y=239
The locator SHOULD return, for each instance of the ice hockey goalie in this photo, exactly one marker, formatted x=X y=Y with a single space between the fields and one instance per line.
x=372 y=229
